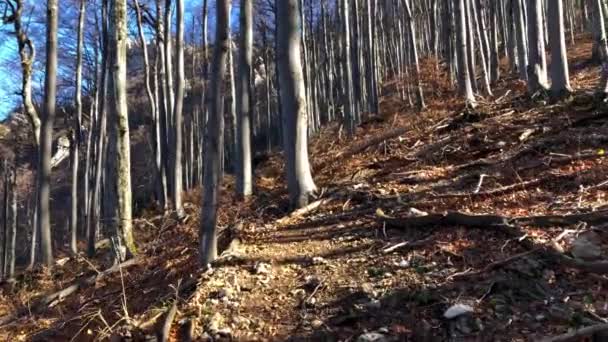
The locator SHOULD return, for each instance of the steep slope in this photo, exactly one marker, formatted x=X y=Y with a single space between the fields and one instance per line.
x=367 y=259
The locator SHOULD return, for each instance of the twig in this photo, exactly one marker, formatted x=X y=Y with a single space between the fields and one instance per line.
x=579 y=334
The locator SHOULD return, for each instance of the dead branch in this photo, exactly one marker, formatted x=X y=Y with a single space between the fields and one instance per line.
x=304 y=210
x=494 y=265
x=372 y=142
x=166 y=329
x=57 y=297
x=580 y=334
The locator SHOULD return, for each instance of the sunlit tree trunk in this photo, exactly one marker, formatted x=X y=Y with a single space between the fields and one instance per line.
x=46 y=135
x=177 y=147
x=214 y=137
x=537 y=69
x=293 y=104
x=243 y=101
x=464 y=80
x=560 y=78
x=76 y=138
x=118 y=111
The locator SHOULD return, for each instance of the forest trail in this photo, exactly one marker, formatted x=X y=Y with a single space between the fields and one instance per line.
x=345 y=270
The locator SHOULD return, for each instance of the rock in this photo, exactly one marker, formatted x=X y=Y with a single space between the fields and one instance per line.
x=413 y=212
x=316 y=324
x=372 y=337
x=318 y=261
x=403 y=264
x=261 y=268
x=457 y=310
x=587 y=247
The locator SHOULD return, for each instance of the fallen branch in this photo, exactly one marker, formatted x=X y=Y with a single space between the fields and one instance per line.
x=372 y=142
x=580 y=334
x=493 y=265
x=408 y=244
x=57 y=297
x=166 y=329
x=304 y=210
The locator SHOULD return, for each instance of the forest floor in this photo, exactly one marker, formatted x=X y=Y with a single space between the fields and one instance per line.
x=364 y=263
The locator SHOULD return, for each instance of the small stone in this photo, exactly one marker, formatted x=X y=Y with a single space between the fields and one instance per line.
x=587 y=247
x=403 y=264
x=540 y=317
x=318 y=261
x=457 y=310
x=261 y=268
x=316 y=324
x=372 y=337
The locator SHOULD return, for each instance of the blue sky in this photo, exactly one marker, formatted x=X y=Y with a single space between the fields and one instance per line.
x=10 y=74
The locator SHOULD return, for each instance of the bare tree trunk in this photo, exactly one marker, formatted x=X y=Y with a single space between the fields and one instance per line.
x=11 y=238
x=464 y=80
x=214 y=138
x=347 y=81
x=178 y=117
x=293 y=104
x=120 y=119
x=414 y=54
x=537 y=69
x=169 y=95
x=76 y=136
x=243 y=101
x=27 y=55
x=46 y=135
x=522 y=52
x=560 y=79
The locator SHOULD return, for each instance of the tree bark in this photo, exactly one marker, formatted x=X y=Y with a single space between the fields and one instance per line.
x=293 y=104
x=537 y=68
x=214 y=138
x=560 y=78
x=178 y=117
x=243 y=101
x=46 y=135
x=119 y=117
x=464 y=80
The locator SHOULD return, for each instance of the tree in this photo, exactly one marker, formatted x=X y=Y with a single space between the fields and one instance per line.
x=537 y=68
x=46 y=135
x=560 y=79
x=464 y=80
x=177 y=115
x=243 y=101
x=76 y=136
x=214 y=137
x=293 y=104
x=120 y=122
x=27 y=55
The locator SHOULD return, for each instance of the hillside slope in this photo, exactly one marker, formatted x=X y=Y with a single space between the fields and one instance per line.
x=377 y=254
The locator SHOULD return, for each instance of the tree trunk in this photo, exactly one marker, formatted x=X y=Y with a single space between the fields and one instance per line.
x=76 y=136
x=243 y=101
x=293 y=102
x=214 y=138
x=537 y=74
x=46 y=135
x=464 y=80
x=178 y=117
x=119 y=117
x=560 y=79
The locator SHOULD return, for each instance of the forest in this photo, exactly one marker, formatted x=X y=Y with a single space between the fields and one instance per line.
x=303 y=170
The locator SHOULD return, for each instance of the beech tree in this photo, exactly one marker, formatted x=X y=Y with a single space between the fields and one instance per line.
x=560 y=77
x=214 y=136
x=118 y=110
x=293 y=104
x=243 y=101
x=177 y=148
x=46 y=135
